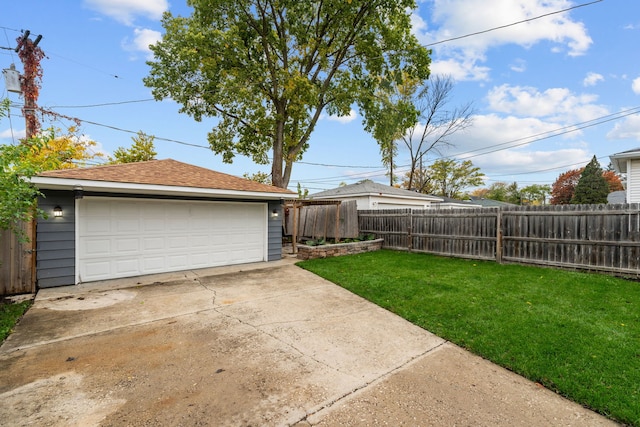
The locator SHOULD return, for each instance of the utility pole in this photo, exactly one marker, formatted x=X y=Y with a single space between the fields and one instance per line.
x=30 y=55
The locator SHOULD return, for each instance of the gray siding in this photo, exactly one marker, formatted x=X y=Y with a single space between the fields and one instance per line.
x=56 y=241
x=274 y=232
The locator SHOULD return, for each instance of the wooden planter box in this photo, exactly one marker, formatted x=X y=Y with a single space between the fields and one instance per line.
x=339 y=249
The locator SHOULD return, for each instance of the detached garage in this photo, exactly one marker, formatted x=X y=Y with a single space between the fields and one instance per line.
x=151 y=217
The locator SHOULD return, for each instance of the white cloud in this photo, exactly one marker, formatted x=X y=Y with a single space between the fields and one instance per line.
x=519 y=66
x=592 y=79
x=557 y=104
x=142 y=38
x=454 y=18
x=507 y=145
x=342 y=119
x=636 y=86
x=460 y=69
x=15 y=134
x=125 y=11
x=629 y=128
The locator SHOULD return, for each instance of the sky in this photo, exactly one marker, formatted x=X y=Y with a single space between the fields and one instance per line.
x=548 y=93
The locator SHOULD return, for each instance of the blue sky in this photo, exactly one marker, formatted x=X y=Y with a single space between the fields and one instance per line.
x=528 y=82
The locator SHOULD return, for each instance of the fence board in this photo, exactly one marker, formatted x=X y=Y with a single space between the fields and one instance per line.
x=592 y=237
x=17 y=275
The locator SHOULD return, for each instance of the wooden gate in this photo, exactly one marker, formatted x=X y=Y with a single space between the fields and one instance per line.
x=17 y=262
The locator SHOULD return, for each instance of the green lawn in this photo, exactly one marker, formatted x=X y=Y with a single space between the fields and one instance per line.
x=9 y=315
x=575 y=333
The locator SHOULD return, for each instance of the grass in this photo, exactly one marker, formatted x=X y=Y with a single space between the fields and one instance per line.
x=577 y=334
x=10 y=313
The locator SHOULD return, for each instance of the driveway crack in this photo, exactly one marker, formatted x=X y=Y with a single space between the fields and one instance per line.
x=327 y=405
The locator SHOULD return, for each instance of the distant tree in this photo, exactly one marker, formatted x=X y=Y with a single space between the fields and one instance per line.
x=261 y=177
x=436 y=123
x=141 y=150
x=613 y=180
x=534 y=194
x=449 y=177
x=420 y=182
x=563 y=188
x=592 y=188
x=500 y=191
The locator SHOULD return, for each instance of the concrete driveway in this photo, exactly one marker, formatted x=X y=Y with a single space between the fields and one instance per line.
x=264 y=344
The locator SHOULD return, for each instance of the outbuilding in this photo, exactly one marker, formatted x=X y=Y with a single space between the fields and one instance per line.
x=126 y=220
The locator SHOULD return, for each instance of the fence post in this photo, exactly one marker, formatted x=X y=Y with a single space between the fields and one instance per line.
x=410 y=230
x=499 y=236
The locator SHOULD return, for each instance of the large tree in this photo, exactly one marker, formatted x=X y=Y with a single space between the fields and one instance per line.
x=592 y=188
x=267 y=69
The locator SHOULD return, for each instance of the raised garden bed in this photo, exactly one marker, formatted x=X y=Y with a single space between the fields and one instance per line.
x=338 y=249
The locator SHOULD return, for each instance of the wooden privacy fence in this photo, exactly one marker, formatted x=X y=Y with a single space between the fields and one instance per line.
x=322 y=219
x=17 y=262
x=593 y=237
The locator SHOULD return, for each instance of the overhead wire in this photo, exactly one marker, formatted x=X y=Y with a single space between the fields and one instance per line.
x=512 y=24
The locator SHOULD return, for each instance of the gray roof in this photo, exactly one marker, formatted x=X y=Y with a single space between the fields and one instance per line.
x=488 y=203
x=469 y=203
x=367 y=188
x=617 y=197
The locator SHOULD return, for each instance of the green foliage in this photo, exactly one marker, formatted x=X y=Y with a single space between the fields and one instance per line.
x=448 y=177
x=302 y=194
x=141 y=150
x=17 y=195
x=10 y=313
x=574 y=333
x=4 y=107
x=534 y=194
x=261 y=177
x=592 y=188
x=267 y=70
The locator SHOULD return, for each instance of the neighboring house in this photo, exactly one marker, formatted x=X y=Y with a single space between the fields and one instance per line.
x=449 y=203
x=488 y=203
x=628 y=163
x=371 y=195
x=617 y=197
x=132 y=219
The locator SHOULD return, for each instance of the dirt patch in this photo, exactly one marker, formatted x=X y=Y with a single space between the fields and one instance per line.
x=90 y=301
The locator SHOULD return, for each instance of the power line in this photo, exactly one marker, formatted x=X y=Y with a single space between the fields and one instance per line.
x=512 y=24
x=105 y=104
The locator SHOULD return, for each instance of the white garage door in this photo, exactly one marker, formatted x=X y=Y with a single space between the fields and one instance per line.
x=131 y=237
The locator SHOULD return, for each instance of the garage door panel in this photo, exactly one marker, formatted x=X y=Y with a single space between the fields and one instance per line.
x=126 y=226
x=153 y=243
x=127 y=245
x=126 y=266
x=153 y=264
x=129 y=237
x=97 y=247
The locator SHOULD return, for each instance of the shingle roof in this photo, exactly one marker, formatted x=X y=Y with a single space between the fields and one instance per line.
x=370 y=187
x=164 y=172
x=489 y=203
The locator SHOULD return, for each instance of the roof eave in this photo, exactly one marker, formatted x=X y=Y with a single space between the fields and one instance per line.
x=48 y=183
x=377 y=194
